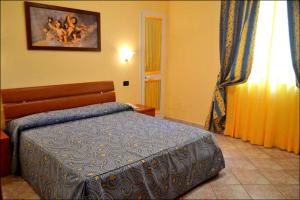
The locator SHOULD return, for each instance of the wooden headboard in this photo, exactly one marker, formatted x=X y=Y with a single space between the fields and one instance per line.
x=19 y=102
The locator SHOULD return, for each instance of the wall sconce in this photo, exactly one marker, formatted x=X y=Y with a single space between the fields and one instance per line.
x=126 y=54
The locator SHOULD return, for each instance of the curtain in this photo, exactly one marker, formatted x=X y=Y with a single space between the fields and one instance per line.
x=264 y=117
x=237 y=34
x=293 y=8
x=265 y=109
x=152 y=94
x=153 y=42
x=153 y=39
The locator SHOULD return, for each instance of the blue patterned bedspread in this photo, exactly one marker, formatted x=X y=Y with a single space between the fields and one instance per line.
x=108 y=151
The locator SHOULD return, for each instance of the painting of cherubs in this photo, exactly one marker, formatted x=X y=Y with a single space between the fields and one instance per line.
x=57 y=28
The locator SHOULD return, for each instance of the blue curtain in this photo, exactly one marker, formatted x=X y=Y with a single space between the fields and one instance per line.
x=293 y=8
x=237 y=33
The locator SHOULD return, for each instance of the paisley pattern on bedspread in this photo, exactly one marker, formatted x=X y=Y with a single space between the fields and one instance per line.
x=119 y=155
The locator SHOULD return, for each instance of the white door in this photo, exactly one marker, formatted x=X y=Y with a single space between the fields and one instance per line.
x=152 y=60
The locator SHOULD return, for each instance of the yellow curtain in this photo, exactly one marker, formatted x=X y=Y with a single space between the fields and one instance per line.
x=265 y=110
x=257 y=114
x=153 y=41
x=152 y=94
x=153 y=38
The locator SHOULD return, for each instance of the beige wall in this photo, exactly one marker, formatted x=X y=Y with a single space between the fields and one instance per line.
x=192 y=53
x=192 y=59
x=120 y=24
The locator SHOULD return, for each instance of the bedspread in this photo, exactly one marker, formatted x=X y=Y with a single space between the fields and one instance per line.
x=108 y=151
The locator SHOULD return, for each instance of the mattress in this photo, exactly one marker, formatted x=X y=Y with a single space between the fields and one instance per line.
x=108 y=151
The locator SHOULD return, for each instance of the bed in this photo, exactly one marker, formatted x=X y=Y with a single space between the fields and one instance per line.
x=75 y=142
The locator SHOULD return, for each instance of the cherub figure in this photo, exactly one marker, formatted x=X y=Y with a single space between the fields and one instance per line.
x=66 y=32
x=71 y=26
x=56 y=27
x=60 y=32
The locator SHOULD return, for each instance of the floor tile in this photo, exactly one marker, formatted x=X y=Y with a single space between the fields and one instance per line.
x=230 y=192
x=225 y=144
x=239 y=163
x=232 y=153
x=202 y=192
x=243 y=145
x=278 y=177
x=289 y=191
x=18 y=190
x=225 y=177
x=263 y=192
x=254 y=153
x=277 y=153
x=288 y=163
x=293 y=173
x=265 y=163
x=250 y=176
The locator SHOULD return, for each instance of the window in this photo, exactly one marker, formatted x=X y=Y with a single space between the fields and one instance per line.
x=272 y=62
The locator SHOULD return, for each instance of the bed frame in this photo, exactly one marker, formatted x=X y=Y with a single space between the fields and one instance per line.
x=19 y=102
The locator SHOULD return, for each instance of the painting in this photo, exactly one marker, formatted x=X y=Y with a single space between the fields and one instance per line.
x=59 y=28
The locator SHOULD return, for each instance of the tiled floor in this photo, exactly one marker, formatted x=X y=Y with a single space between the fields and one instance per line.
x=252 y=172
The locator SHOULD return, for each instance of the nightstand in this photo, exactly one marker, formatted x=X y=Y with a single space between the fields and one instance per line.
x=4 y=154
x=144 y=110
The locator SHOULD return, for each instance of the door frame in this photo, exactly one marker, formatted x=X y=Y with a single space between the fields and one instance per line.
x=145 y=13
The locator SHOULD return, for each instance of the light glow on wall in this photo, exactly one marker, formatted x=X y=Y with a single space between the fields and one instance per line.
x=125 y=54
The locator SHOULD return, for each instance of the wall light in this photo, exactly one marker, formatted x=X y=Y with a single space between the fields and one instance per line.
x=126 y=54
